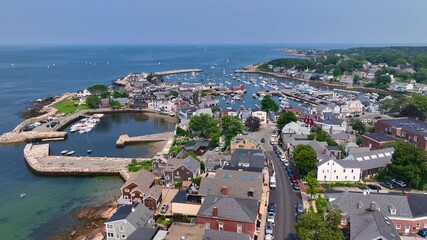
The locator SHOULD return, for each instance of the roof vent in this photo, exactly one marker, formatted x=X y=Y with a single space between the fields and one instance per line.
x=133 y=209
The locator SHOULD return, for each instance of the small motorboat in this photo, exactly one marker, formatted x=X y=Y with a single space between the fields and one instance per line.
x=22 y=195
x=65 y=151
x=71 y=153
x=89 y=151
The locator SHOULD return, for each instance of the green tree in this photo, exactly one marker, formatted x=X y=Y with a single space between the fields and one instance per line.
x=203 y=125
x=253 y=123
x=321 y=205
x=181 y=132
x=421 y=75
x=314 y=226
x=93 y=101
x=409 y=163
x=313 y=186
x=305 y=158
x=268 y=104
x=115 y=104
x=117 y=94
x=99 y=90
x=419 y=101
x=412 y=112
x=358 y=126
x=231 y=126
x=285 y=118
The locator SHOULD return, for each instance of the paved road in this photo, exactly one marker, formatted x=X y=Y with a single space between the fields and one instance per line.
x=283 y=196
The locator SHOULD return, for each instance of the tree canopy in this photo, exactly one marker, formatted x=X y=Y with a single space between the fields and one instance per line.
x=412 y=111
x=205 y=126
x=99 y=90
x=117 y=94
x=285 y=118
x=93 y=101
x=315 y=226
x=358 y=126
x=231 y=126
x=313 y=186
x=252 y=123
x=305 y=158
x=409 y=163
x=268 y=104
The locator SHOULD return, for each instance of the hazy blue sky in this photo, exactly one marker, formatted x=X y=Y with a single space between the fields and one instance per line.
x=213 y=21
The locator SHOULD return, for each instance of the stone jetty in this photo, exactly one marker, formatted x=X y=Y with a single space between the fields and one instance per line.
x=38 y=159
x=158 y=137
x=19 y=137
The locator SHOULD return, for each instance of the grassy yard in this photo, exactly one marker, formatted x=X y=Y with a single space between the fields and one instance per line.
x=135 y=166
x=69 y=106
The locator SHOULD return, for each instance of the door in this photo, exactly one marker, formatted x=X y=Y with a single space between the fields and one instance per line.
x=407 y=228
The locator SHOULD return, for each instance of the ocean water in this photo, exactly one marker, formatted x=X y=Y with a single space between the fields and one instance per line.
x=32 y=72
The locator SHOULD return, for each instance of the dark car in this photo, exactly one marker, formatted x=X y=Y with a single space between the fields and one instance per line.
x=294 y=179
x=388 y=185
x=377 y=117
x=423 y=232
x=288 y=169
x=263 y=140
x=271 y=207
x=374 y=187
x=296 y=186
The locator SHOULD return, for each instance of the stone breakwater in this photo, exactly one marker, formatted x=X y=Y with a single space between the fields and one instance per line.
x=19 y=137
x=38 y=159
x=158 y=137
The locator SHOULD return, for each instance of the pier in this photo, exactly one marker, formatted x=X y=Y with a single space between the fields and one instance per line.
x=158 y=137
x=39 y=160
x=172 y=72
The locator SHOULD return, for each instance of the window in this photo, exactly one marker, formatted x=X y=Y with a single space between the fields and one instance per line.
x=221 y=226
x=324 y=177
x=354 y=177
x=352 y=170
x=398 y=226
x=127 y=190
x=343 y=170
x=345 y=177
x=123 y=236
x=110 y=226
x=425 y=225
x=110 y=234
x=418 y=226
x=177 y=173
x=337 y=177
x=323 y=170
x=207 y=225
x=415 y=138
x=335 y=171
x=239 y=228
x=122 y=229
x=343 y=220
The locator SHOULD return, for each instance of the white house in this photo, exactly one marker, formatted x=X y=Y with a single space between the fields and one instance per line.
x=298 y=127
x=332 y=125
x=84 y=93
x=333 y=170
x=206 y=111
x=261 y=115
x=352 y=107
x=162 y=106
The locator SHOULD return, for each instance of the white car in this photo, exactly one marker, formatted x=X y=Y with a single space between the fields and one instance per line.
x=282 y=158
x=270 y=217
x=268 y=237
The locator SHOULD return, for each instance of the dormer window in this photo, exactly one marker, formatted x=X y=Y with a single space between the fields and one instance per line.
x=392 y=209
x=250 y=193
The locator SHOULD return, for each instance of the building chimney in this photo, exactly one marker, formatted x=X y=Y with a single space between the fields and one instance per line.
x=215 y=212
x=224 y=191
x=373 y=206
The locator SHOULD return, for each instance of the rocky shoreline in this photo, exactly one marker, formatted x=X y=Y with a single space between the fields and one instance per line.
x=37 y=108
x=92 y=222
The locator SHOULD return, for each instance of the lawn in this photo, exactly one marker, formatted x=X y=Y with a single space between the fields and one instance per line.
x=135 y=166
x=69 y=106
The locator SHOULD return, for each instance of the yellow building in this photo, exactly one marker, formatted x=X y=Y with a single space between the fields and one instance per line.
x=238 y=143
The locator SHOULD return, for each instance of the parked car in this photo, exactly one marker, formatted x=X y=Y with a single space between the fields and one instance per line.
x=399 y=182
x=294 y=179
x=373 y=187
x=270 y=217
x=263 y=140
x=288 y=169
x=268 y=237
x=271 y=207
x=164 y=208
x=296 y=186
x=282 y=158
x=300 y=208
x=286 y=163
x=269 y=228
x=388 y=185
x=423 y=232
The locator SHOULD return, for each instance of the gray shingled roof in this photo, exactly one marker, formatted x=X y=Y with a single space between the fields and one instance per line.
x=211 y=234
x=189 y=162
x=139 y=217
x=144 y=179
x=380 y=137
x=417 y=203
x=409 y=125
x=143 y=233
x=238 y=183
x=369 y=160
x=355 y=203
x=234 y=209
x=253 y=157
x=372 y=225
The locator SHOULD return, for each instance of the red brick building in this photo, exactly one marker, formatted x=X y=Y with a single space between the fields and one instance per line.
x=376 y=141
x=229 y=214
x=413 y=131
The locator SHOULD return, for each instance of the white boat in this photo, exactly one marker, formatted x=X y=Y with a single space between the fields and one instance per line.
x=65 y=151
x=22 y=195
x=71 y=153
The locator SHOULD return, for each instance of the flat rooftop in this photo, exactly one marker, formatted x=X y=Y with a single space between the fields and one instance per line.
x=409 y=125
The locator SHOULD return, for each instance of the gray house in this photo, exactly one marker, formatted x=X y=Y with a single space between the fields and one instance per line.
x=248 y=158
x=181 y=170
x=127 y=220
x=159 y=164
